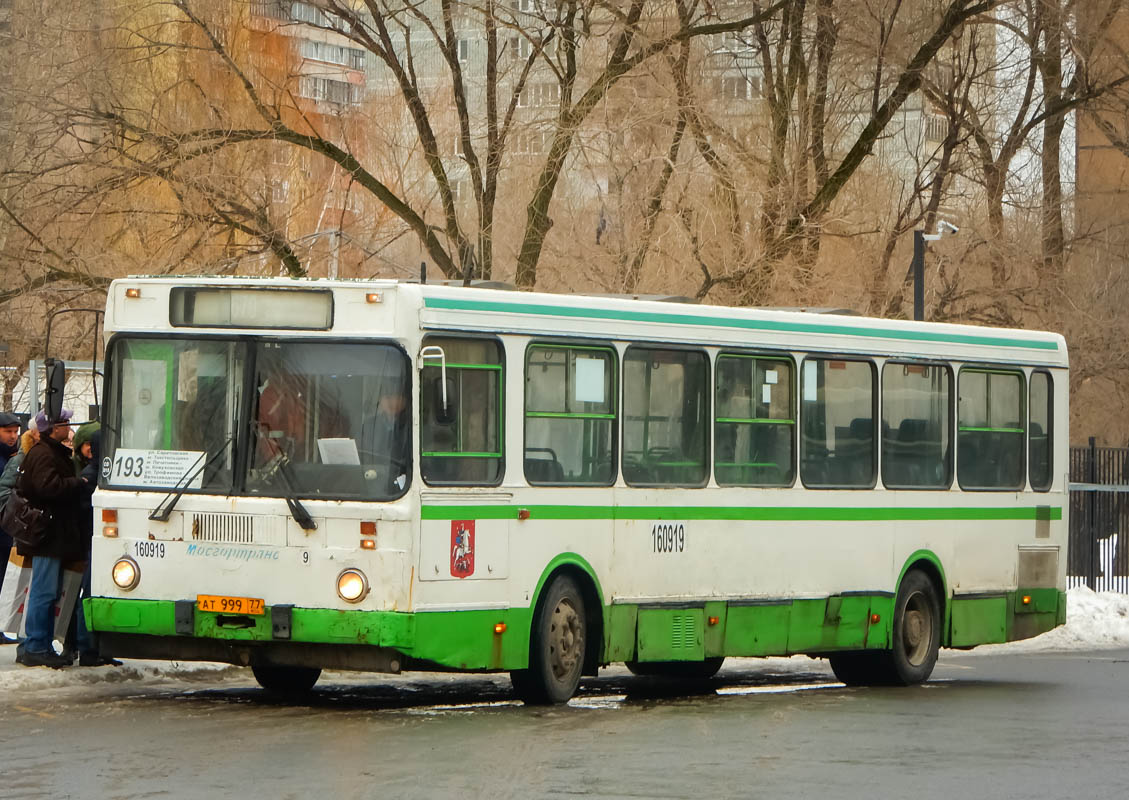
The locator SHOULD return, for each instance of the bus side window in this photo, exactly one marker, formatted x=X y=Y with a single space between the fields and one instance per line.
x=916 y=427
x=665 y=407
x=990 y=430
x=1040 y=431
x=754 y=420
x=463 y=446
x=570 y=419
x=837 y=446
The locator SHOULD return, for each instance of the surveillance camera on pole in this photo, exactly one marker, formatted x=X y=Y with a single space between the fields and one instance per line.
x=943 y=227
x=920 y=237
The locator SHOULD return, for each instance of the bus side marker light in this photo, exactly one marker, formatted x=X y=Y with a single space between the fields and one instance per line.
x=133 y=293
x=714 y=620
x=499 y=628
x=109 y=515
x=374 y=297
x=110 y=531
x=368 y=529
x=523 y=514
x=875 y=619
x=1026 y=599
x=368 y=544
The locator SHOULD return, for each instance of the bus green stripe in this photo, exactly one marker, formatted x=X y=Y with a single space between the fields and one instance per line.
x=729 y=322
x=752 y=513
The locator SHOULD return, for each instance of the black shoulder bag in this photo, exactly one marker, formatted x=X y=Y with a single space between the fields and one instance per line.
x=26 y=524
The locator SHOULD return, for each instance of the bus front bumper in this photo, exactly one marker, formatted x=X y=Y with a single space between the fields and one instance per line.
x=382 y=641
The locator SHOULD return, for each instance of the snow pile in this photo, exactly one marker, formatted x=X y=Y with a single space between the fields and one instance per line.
x=149 y=673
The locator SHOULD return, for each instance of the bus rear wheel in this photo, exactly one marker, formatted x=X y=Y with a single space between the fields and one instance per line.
x=286 y=680
x=917 y=630
x=684 y=670
x=556 y=646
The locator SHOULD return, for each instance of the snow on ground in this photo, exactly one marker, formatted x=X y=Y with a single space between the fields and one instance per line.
x=1094 y=621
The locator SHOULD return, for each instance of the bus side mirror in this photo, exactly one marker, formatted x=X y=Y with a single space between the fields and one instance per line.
x=56 y=383
x=445 y=401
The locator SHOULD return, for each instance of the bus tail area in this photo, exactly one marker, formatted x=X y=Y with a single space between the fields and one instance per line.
x=368 y=475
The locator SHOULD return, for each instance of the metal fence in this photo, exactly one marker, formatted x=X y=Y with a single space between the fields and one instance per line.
x=1098 y=554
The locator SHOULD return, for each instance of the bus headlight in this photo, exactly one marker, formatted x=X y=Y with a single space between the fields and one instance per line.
x=126 y=573
x=352 y=585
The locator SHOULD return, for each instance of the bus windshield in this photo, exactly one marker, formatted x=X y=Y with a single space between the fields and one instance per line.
x=322 y=419
x=330 y=420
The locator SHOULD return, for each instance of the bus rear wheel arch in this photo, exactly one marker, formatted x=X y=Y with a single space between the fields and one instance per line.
x=915 y=639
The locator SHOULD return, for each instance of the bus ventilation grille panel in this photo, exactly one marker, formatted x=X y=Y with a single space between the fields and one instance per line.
x=683 y=632
x=238 y=529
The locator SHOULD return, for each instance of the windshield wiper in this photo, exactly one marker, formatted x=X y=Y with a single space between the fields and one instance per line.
x=164 y=508
x=281 y=466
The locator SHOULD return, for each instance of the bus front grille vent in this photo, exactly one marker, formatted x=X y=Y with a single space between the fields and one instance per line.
x=683 y=632
x=237 y=529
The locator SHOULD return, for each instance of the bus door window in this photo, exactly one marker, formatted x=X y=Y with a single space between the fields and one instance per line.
x=665 y=407
x=837 y=446
x=916 y=427
x=990 y=429
x=463 y=445
x=754 y=421
x=570 y=420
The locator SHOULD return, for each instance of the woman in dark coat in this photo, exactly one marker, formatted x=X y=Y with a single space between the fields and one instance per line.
x=48 y=482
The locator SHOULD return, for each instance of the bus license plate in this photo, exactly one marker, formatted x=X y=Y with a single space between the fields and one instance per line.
x=229 y=605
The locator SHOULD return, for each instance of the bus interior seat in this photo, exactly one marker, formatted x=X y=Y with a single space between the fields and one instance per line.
x=539 y=469
x=911 y=455
x=854 y=452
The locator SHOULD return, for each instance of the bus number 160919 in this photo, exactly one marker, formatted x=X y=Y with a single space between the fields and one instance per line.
x=668 y=538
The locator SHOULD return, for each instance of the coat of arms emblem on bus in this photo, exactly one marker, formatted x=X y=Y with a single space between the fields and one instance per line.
x=462 y=548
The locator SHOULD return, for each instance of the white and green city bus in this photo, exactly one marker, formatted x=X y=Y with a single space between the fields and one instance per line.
x=373 y=475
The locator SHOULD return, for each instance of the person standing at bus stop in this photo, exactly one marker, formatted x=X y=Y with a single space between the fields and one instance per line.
x=87 y=457
x=48 y=482
x=9 y=446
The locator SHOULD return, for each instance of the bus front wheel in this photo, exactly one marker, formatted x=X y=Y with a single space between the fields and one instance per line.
x=286 y=680
x=556 y=646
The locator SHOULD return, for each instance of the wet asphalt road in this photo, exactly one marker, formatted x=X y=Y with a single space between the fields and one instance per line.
x=987 y=726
